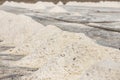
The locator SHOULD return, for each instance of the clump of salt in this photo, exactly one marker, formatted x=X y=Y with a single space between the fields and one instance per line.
x=46 y=4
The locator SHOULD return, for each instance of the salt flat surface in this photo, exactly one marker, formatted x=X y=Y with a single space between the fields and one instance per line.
x=60 y=42
x=97 y=4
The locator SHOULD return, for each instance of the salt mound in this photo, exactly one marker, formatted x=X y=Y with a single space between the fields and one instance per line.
x=74 y=60
x=64 y=55
x=60 y=3
x=58 y=9
x=104 y=70
x=15 y=29
x=53 y=70
x=40 y=41
x=46 y=4
x=38 y=5
x=61 y=55
x=75 y=66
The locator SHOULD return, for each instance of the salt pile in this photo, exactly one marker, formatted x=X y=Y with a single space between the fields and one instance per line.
x=39 y=42
x=71 y=56
x=103 y=70
x=63 y=55
x=58 y=9
x=60 y=3
x=46 y=4
x=36 y=6
x=15 y=29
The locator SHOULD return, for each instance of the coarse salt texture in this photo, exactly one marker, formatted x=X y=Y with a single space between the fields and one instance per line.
x=71 y=66
x=104 y=70
x=39 y=42
x=64 y=56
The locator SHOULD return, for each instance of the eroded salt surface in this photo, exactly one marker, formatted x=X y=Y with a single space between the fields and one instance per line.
x=15 y=29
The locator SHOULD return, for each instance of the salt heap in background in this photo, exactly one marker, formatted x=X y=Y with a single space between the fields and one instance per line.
x=60 y=3
x=30 y=6
x=46 y=4
x=58 y=9
x=15 y=29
